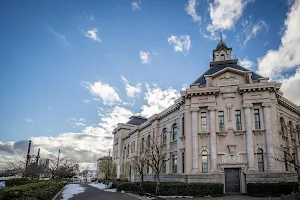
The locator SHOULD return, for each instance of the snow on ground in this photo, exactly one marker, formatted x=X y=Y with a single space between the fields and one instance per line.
x=72 y=190
x=102 y=186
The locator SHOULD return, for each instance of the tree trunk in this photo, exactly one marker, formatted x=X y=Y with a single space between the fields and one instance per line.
x=157 y=185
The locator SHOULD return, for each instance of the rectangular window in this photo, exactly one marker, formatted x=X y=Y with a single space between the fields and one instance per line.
x=256 y=119
x=164 y=167
x=238 y=120
x=221 y=121
x=174 y=163
x=203 y=122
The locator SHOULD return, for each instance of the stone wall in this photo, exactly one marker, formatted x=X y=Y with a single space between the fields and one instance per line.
x=185 y=178
x=270 y=177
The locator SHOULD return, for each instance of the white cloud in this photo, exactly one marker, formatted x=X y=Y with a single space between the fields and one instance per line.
x=158 y=99
x=290 y=87
x=250 y=30
x=86 y=101
x=181 y=44
x=104 y=91
x=131 y=91
x=48 y=130
x=287 y=56
x=80 y=124
x=223 y=15
x=135 y=5
x=190 y=8
x=28 y=120
x=246 y=63
x=59 y=37
x=92 y=33
x=145 y=57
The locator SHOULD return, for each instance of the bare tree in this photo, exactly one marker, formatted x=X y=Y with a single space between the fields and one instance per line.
x=64 y=167
x=106 y=166
x=156 y=153
x=288 y=154
x=139 y=162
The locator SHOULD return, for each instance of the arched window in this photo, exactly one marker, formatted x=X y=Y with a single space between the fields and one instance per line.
x=204 y=162
x=175 y=132
x=148 y=141
x=142 y=144
x=260 y=160
x=164 y=139
x=282 y=125
x=222 y=57
x=291 y=129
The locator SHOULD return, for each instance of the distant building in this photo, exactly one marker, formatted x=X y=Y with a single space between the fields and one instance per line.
x=108 y=162
x=223 y=129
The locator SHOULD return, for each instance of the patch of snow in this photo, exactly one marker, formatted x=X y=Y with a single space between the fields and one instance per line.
x=103 y=187
x=100 y=186
x=111 y=190
x=72 y=190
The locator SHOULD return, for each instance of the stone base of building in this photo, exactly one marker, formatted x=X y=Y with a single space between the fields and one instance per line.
x=245 y=178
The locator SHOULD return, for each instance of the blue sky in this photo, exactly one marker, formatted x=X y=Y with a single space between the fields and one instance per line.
x=58 y=57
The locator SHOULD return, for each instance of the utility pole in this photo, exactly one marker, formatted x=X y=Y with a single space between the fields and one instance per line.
x=28 y=156
x=37 y=158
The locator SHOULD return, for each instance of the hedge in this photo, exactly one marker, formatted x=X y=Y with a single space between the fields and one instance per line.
x=42 y=190
x=271 y=189
x=184 y=189
x=131 y=187
x=19 y=181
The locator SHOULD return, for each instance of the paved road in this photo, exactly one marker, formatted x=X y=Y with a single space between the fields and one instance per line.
x=92 y=193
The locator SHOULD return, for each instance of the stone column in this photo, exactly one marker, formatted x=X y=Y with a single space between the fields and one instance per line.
x=249 y=138
x=118 y=171
x=195 y=148
x=268 y=136
x=212 y=139
x=179 y=146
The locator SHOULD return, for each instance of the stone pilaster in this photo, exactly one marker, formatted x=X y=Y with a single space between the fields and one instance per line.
x=118 y=171
x=268 y=136
x=179 y=146
x=212 y=139
x=249 y=138
x=195 y=147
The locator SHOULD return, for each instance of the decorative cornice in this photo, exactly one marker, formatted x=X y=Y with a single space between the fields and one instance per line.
x=200 y=92
x=288 y=104
x=222 y=133
x=260 y=132
x=194 y=109
x=266 y=104
x=203 y=134
x=248 y=105
x=211 y=108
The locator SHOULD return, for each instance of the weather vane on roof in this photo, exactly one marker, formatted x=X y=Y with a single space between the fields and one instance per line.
x=221 y=36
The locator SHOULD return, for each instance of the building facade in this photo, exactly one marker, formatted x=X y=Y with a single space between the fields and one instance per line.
x=231 y=126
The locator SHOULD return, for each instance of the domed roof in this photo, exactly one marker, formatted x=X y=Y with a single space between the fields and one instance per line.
x=221 y=43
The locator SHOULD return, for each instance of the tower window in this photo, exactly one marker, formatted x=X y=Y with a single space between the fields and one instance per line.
x=203 y=122
x=238 y=120
x=222 y=57
x=204 y=162
x=260 y=160
x=221 y=121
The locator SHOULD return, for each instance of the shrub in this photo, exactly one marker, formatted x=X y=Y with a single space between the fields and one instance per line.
x=131 y=187
x=184 y=189
x=19 y=181
x=42 y=190
x=271 y=189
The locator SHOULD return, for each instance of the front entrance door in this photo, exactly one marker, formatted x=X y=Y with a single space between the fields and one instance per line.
x=232 y=180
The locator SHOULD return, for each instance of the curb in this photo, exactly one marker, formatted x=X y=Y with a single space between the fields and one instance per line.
x=136 y=196
x=54 y=198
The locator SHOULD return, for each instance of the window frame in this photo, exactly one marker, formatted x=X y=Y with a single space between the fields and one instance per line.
x=203 y=122
x=165 y=133
x=221 y=121
x=204 y=162
x=238 y=120
x=260 y=160
x=174 y=163
x=257 y=124
x=175 y=127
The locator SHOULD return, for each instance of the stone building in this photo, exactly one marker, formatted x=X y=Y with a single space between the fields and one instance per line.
x=228 y=127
